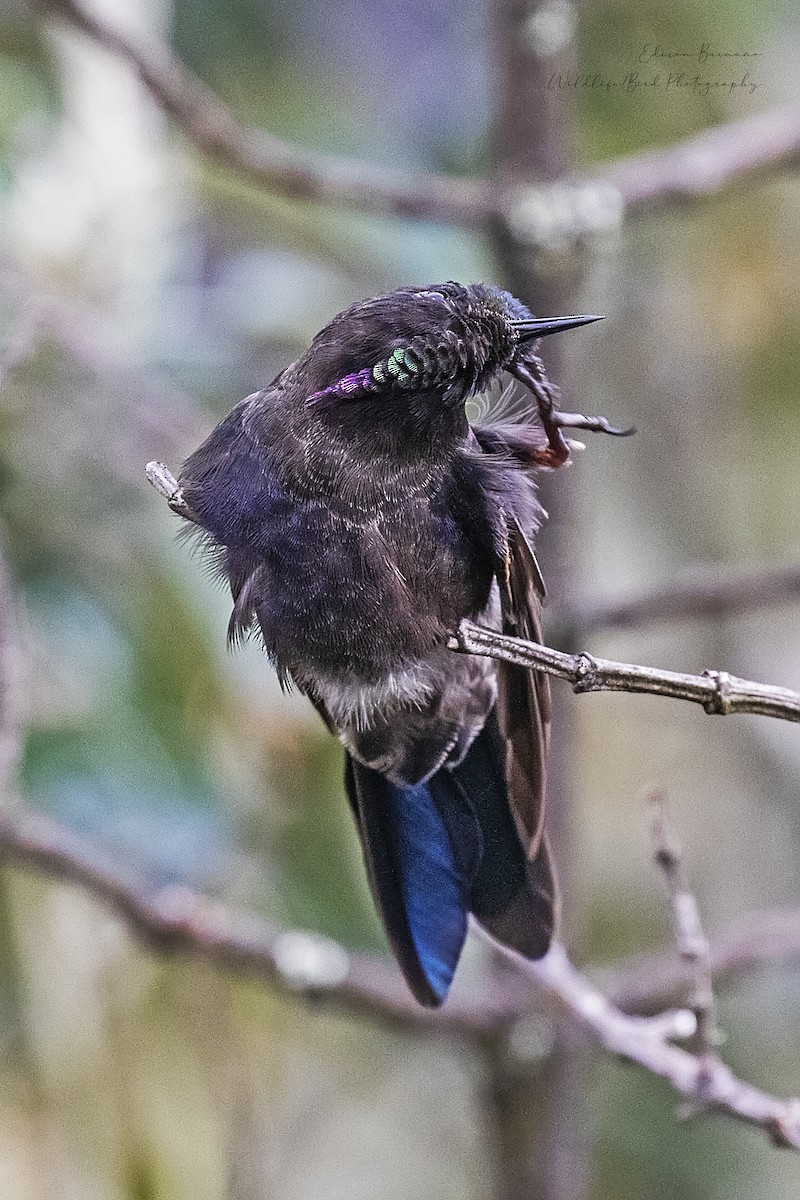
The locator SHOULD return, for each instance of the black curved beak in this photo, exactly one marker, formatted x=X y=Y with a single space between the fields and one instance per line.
x=538 y=328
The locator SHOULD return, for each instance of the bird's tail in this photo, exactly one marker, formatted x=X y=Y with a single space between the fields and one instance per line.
x=441 y=849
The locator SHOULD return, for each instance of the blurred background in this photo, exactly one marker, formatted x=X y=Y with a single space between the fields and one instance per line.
x=142 y=293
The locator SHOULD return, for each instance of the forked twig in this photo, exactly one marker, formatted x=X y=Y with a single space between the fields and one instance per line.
x=691 y=941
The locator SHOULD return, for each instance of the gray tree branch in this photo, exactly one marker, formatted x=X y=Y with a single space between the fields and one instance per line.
x=647 y=1041
x=702 y=166
x=647 y=983
x=178 y=920
x=702 y=594
x=716 y=691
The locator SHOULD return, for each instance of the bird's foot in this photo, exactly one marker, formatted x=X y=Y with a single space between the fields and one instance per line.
x=593 y=424
x=556 y=453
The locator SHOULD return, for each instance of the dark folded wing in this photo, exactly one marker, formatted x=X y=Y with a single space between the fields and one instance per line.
x=523 y=709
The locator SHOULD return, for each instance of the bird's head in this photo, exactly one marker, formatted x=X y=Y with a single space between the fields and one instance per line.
x=422 y=348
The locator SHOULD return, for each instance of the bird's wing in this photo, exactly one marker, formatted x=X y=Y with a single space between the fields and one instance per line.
x=523 y=711
x=469 y=837
x=523 y=702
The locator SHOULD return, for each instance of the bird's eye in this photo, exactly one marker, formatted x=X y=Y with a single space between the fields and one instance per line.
x=434 y=296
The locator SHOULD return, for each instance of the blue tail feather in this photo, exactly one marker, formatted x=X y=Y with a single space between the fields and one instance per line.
x=441 y=849
x=420 y=866
x=433 y=886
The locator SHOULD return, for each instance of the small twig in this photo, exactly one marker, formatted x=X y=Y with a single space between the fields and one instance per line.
x=716 y=691
x=690 y=939
x=703 y=165
x=715 y=592
x=166 y=484
x=647 y=983
x=638 y=1040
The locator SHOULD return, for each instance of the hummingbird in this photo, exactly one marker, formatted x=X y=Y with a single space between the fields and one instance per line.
x=358 y=517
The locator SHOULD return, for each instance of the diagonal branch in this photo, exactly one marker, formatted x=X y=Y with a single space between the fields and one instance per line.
x=712 y=592
x=178 y=920
x=646 y=1042
x=702 y=166
x=700 y=1077
x=647 y=982
x=690 y=938
x=716 y=691
x=267 y=160
x=710 y=161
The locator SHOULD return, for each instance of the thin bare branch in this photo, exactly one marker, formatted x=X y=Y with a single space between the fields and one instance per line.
x=268 y=161
x=177 y=919
x=704 y=165
x=183 y=921
x=647 y=983
x=716 y=691
x=712 y=592
x=690 y=939
x=701 y=1079
x=647 y=1042
x=709 y=162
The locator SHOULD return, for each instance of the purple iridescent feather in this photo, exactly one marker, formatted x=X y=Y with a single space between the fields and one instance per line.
x=361 y=381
